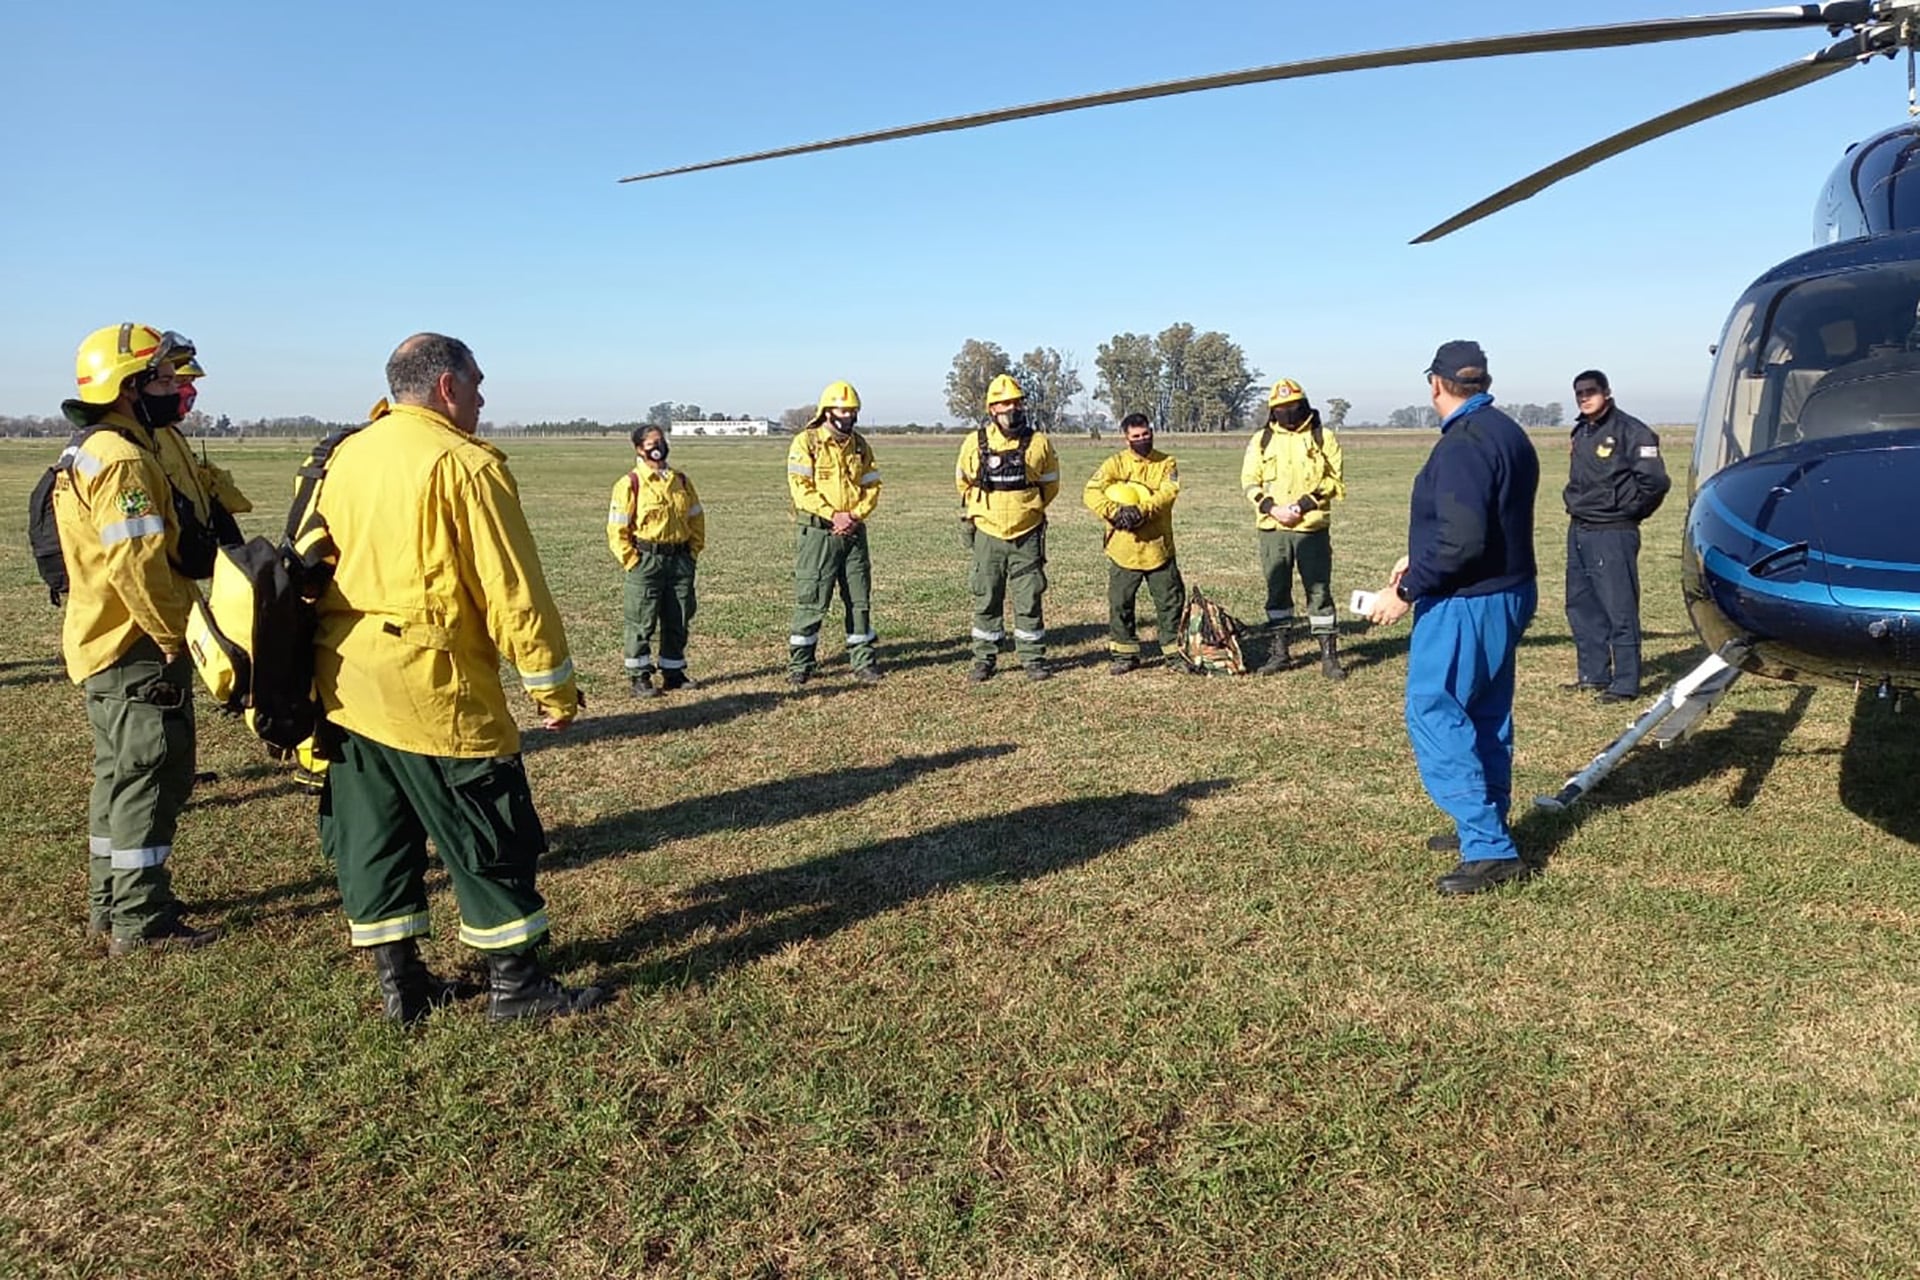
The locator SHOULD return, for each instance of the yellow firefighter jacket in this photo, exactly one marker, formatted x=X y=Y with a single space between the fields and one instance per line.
x=1291 y=466
x=1006 y=513
x=117 y=535
x=1150 y=545
x=437 y=580
x=654 y=506
x=827 y=475
x=199 y=482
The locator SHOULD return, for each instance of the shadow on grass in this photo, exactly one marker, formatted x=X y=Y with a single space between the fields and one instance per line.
x=31 y=671
x=678 y=711
x=765 y=804
x=1750 y=742
x=893 y=657
x=1879 y=765
x=736 y=920
x=229 y=800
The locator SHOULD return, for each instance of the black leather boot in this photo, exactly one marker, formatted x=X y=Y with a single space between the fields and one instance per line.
x=408 y=988
x=522 y=989
x=1278 y=659
x=1330 y=657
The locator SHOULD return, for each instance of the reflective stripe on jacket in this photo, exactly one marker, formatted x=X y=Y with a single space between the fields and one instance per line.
x=437 y=581
x=115 y=512
x=1151 y=545
x=654 y=506
x=827 y=475
x=1287 y=466
x=1007 y=514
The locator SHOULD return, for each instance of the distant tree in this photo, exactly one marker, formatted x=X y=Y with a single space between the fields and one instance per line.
x=196 y=423
x=660 y=415
x=1219 y=381
x=1129 y=375
x=1335 y=413
x=974 y=369
x=1051 y=381
x=687 y=413
x=1414 y=415
x=717 y=417
x=795 y=420
x=1556 y=415
x=1179 y=406
x=223 y=426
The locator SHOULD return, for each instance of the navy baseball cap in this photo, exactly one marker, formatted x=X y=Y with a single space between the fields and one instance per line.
x=1459 y=360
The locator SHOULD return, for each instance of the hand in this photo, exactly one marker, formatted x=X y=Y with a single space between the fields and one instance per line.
x=1288 y=516
x=1400 y=567
x=556 y=724
x=1388 y=607
x=844 y=523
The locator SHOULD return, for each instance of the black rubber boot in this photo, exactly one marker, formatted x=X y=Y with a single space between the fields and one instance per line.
x=1278 y=659
x=522 y=989
x=1330 y=657
x=408 y=989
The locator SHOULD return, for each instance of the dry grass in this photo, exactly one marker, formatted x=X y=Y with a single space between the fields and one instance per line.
x=1097 y=978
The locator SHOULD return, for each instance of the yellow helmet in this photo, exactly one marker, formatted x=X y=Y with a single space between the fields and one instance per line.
x=1285 y=391
x=1127 y=493
x=838 y=395
x=109 y=356
x=189 y=368
x=1004 y=390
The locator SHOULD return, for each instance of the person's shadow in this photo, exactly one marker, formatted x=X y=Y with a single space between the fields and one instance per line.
x=740 y=918
x=765 y=804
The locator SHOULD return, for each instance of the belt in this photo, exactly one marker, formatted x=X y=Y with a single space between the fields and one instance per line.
x=659 y=548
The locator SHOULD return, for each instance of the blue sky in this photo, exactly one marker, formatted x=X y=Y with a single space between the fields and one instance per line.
x=298 y=188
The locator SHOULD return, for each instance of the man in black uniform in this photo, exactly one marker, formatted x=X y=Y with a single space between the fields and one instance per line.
x=1615 y=481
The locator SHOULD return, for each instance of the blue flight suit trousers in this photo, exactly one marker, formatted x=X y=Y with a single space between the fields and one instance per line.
x=1460 y=711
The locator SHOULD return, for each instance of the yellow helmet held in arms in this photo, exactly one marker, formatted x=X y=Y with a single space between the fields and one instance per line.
x=1004 y=390
x=1128 y=493
x=109 y=356
x=1285 y=391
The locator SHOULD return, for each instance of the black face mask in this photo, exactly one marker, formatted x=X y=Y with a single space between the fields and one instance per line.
x=655 y=452
x=1141 y=447
x=840 y=428
x=1290 y=415
x=1013 y=422
x=154 y=412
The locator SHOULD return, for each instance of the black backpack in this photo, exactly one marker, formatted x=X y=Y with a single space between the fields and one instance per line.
x=43 y=531
x=252 y=637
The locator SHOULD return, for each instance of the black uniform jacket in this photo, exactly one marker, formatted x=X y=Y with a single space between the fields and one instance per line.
x=1617 y=476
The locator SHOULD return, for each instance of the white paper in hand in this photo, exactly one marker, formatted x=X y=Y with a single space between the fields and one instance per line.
x=1363 y=602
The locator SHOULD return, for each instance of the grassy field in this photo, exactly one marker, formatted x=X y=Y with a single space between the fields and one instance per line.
x=1131 y=978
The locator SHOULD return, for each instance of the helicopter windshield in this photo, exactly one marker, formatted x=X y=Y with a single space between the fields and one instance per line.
x=1811 y=359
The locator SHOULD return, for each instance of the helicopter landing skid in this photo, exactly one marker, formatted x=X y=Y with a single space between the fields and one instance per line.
x=1674 y=715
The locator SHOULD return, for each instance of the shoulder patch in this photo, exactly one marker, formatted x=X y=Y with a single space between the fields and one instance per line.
x=134 y=502
x=1649 y=450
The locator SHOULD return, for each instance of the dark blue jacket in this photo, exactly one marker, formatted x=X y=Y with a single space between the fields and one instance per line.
x=1470 y=531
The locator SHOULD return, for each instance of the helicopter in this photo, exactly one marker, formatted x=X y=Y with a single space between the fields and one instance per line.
x=1798 y=563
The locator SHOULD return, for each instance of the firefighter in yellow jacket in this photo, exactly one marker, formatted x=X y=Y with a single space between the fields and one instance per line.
x=656 y=529
x=1007 y=476
x=124 y=634
x=1134 y=491
x=436 y=581
x=1291 y=474
x=215 y=497
x=835 y=486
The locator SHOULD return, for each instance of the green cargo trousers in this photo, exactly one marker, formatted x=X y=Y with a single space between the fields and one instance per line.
x=1002 y=568
x=141 y=711
x=1169 y=594
x=1282 y=552
x=378 y=808
x=659 y=599
x=821 y=562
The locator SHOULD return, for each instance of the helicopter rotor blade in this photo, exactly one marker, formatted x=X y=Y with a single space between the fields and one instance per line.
x=1818 y=66
x=1613 y=35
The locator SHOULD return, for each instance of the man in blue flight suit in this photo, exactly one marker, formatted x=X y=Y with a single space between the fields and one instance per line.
x=1615 y=480
x=1468 y=578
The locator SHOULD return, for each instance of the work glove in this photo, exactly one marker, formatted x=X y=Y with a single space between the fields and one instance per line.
x=1129 y=518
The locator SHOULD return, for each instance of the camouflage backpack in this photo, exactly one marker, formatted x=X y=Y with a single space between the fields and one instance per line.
x=1209 y=638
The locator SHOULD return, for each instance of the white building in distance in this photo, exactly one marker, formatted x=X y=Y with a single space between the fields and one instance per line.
x=725 y=427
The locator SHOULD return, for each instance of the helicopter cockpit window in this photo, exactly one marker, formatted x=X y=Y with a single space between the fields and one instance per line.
x=1835 y=355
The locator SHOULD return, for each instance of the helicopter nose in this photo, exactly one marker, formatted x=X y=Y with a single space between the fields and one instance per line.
x=1860 y=498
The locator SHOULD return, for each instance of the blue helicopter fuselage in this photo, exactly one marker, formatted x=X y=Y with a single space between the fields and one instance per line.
x=1803 y=529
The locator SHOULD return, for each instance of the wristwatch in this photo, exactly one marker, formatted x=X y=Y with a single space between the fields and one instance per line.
x=1400 y=589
